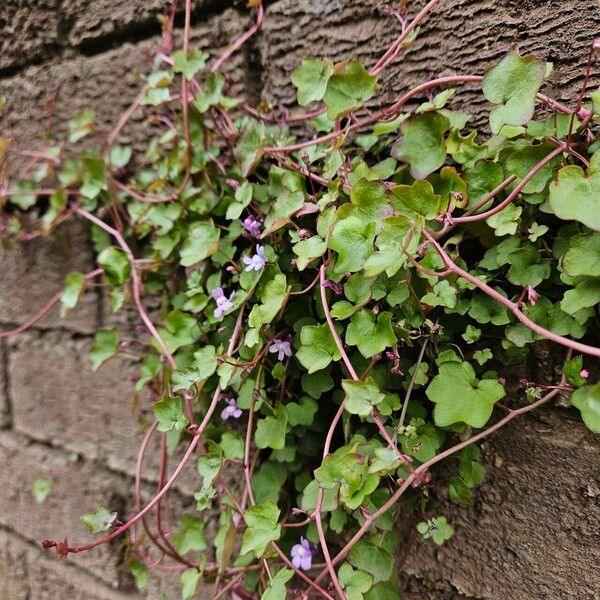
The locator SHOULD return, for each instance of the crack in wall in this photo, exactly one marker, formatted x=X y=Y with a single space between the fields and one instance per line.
x=6 y=412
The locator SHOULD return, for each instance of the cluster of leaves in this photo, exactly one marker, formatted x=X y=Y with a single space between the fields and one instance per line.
x=231 y=234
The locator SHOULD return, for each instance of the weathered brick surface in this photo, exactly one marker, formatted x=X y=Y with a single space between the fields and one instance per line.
x=27 y=573
x=460 y=36
x=30 y=30
x=58 y=400
x=31 y=273
x=107 y=83
x=532 y=531
x=78 y=487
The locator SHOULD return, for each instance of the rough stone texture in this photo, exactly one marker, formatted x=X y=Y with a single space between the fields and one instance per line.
x=78 y=487
x=534 y=528
x=29 y=31
x=59 y=400
x=460 y=36
x=31 y=273
x=107 y=83
x=93 y=414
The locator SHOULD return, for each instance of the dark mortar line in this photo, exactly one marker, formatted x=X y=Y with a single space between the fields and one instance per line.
x=72 y=333
x=6 y=388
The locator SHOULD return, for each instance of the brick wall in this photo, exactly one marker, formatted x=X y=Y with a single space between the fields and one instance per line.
x=532 y=531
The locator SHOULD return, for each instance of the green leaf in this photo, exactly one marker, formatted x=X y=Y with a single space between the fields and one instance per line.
x=512 y=84
x=101 y=520
x=362 y=396
x=41 y=488
x=587 y=400
x=354 y=582
x=443 y=295
x=585 y=294
x=270 y=431
x=189 y=581
x=581 y=259
x=180 y=330
x=416 y=199
x=276 y=589
x=139 y=571
x=302 y=413
x=311 y=79
x=573 y=183
x=348 y=88
x=522 y=161
x=105 y=346
x=188 y=63
x=572 y=371
x=74 y=285
x=317 y=348
x=268 y=481
x=308 y=250
x=262 y=527
x=190 y=536
x=81 y=125
x=201 y=242
x=422 y=143
x=373 y=559
x=273 y=296
x=460 y=397
x=204 y=365
x=371 y=334
x=438 y=529
x=120 y=155
x=169 y=414
x=506 y=221
x=115 y=264
x=352 y=239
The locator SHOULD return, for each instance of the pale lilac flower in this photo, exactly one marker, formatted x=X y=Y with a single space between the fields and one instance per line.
x=256 y=262
x=223 y=302
x=584 y=373
x=252 y=226
x=282 y=347
x=231 y=410
x=302 y=554
x=532 y=295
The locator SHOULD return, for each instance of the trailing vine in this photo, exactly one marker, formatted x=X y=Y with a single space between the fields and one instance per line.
x=345 y=292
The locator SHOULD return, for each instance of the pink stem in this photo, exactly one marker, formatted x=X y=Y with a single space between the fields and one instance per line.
x=241 y=40
x=496 y=209
x=452 y=266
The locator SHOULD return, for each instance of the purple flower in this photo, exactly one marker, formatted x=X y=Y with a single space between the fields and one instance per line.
x=223 y=302
x=256 y=262
x=282 y=347
x=584 y=373
x=302 y=554
x=252 y=226
x=231 y=410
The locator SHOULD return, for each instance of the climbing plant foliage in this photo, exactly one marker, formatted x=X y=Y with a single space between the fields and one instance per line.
x=341 y=298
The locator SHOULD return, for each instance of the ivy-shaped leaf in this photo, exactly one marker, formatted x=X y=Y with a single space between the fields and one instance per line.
x=573 y=183
x=460 y=398
x=512 y=84
x=311 y=79
x=262 y=527
x=348 y=87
